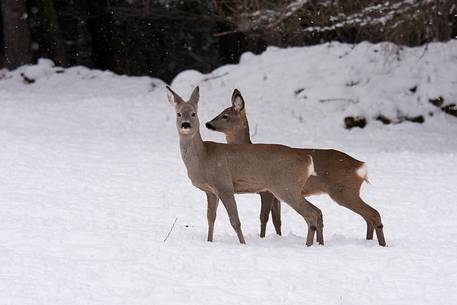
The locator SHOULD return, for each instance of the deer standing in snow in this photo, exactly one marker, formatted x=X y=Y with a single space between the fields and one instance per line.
x=337 y=174
x=221 y=170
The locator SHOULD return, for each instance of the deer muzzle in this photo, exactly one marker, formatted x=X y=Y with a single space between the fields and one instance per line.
x=185 y=125
x=209 y=126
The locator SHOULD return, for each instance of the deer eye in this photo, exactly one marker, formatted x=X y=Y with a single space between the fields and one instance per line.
x=225 y=117
x=193 y=113
x=179 y=114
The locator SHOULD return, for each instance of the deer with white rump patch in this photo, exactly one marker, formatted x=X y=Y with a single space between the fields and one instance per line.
x=337 y=174
x=221 y=170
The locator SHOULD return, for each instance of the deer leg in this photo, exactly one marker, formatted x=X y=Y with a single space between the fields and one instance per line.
x=211 y=213
x=315 y=225
x=267 y=201
x=230 y=205
x=370 y=231
x=380 y=235
x=352 y=201
x=309 y=212
x=320 y=225
x=276 y=215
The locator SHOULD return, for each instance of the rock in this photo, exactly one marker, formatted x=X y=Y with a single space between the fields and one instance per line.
x=298 y=91
x=438 y=101
x=385 y=120
x=351 y=122
x=27 y=79
x=415 y=119
x=450 y=109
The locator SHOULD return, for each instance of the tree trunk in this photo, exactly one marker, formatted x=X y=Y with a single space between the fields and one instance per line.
x=16 y=34
x=106 y=43
x=53 y=37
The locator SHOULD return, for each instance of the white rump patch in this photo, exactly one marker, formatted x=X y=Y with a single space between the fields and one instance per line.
x=362 y=172
x=311 y=170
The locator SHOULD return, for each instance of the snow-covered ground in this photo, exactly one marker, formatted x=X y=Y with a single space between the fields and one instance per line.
x=91 y=181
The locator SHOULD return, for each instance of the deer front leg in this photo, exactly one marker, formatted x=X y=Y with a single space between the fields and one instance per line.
x=267 y=201
x=276 y=215
x=228 y=199
x=211 y=213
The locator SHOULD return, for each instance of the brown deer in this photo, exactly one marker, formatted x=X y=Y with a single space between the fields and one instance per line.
x=221 y=170
x=337 y=174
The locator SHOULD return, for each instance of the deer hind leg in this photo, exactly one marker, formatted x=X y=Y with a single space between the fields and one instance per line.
x=276 y=215
x=320 y=225
x=309 y=212
x=229 y=202
x=211 y=213
x=370 y=231
x=270 y=203
x=352 y=201
x=267 y=201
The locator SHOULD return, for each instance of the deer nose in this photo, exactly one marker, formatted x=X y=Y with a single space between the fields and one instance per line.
x=185 y=125
x=209 y=126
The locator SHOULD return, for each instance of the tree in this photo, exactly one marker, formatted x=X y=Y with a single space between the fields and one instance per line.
x=52 y=33
x=16 y=35
x=106 y=42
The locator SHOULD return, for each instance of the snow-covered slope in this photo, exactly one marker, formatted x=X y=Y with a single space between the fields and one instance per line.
x=91 y=181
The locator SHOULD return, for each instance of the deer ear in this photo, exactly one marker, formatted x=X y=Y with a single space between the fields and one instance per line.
x=237 y=100
x=173 y=98
x=195 y=96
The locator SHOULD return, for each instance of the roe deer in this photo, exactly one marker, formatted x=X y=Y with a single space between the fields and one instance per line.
x=337 y=174
x=221 y=170
x=234 y=124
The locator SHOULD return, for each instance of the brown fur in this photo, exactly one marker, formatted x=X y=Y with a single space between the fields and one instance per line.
x=221 y=170
x=336 y=173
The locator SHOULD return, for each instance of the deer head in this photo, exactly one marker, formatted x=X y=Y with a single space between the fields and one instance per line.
x=231 y=118
x=186 y=112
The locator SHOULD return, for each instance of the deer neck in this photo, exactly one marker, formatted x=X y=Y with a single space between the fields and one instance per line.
x=241 y=134
x=192 y=149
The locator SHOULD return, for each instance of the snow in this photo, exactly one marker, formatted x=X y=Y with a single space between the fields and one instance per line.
x=92 y=181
